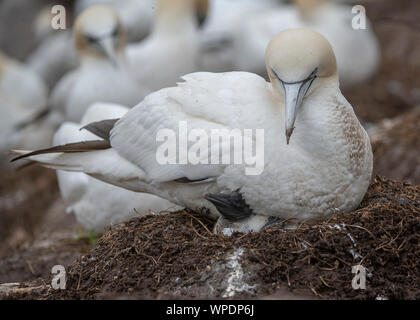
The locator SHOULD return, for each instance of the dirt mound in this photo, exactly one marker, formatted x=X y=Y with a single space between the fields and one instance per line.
x=177 y=256
x=396 y=147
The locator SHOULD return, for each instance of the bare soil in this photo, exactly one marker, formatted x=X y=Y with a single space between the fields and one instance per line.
x=35 y=231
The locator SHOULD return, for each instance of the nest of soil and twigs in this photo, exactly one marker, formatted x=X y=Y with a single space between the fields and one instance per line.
x=177 y=256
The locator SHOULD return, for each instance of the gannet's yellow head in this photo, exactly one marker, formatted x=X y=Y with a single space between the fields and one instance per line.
x=172 y=13
x=307 y=8
x=298 y=62
x=99 y=33
x=202 y=8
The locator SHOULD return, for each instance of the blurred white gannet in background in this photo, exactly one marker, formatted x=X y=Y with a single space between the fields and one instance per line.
x=55 y=54
x=97 y=204
x=324 y=167
x=54 y=57
x=21 y=83
x=23 y=94
x=357 y=51
x=102 y=75
x=136 y=15
x=172 y=48
x=219 y=30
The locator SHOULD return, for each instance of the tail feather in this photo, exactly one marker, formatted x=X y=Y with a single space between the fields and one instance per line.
x=95 y=158
x=83 y=146
x=57 y=161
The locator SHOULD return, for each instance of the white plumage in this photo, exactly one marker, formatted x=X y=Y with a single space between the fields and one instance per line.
x=357 y=51
x=23 y=94
x=324 y=167
x=54 y=57
x=97 y=204
x=219 y=30
x=102 y=74
x=171 y=50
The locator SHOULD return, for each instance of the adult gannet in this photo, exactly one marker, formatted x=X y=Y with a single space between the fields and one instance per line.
x=102 y=75
x=172 y=48
x=317 y=156
x=218 y=31
x=357 y=50
x=23 y=94
x=54 y=57
x=21 y=83
x=136 y=15
x=54 y=54
x=97 y=204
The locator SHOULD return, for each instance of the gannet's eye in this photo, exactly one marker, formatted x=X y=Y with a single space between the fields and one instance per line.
x=91 y=39
x=312 y=76
x=115 y=32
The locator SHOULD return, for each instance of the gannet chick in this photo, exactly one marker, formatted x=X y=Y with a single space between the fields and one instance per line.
x=102 y=76
x=97 y=204
x=317 y=158
x=357 y=50
x=172 y=48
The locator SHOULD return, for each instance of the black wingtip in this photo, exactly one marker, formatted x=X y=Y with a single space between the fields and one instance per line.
x=102 y=129
x=232 y=206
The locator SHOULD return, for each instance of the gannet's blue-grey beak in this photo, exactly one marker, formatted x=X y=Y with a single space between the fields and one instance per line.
x=293 y=97
x=107 y=45
x=294 y=93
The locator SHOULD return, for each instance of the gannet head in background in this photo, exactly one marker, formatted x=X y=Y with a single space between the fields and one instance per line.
x=98 y=33
x=306 y=8
x=202 y=8
x=299 y=61
x=175 y=14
